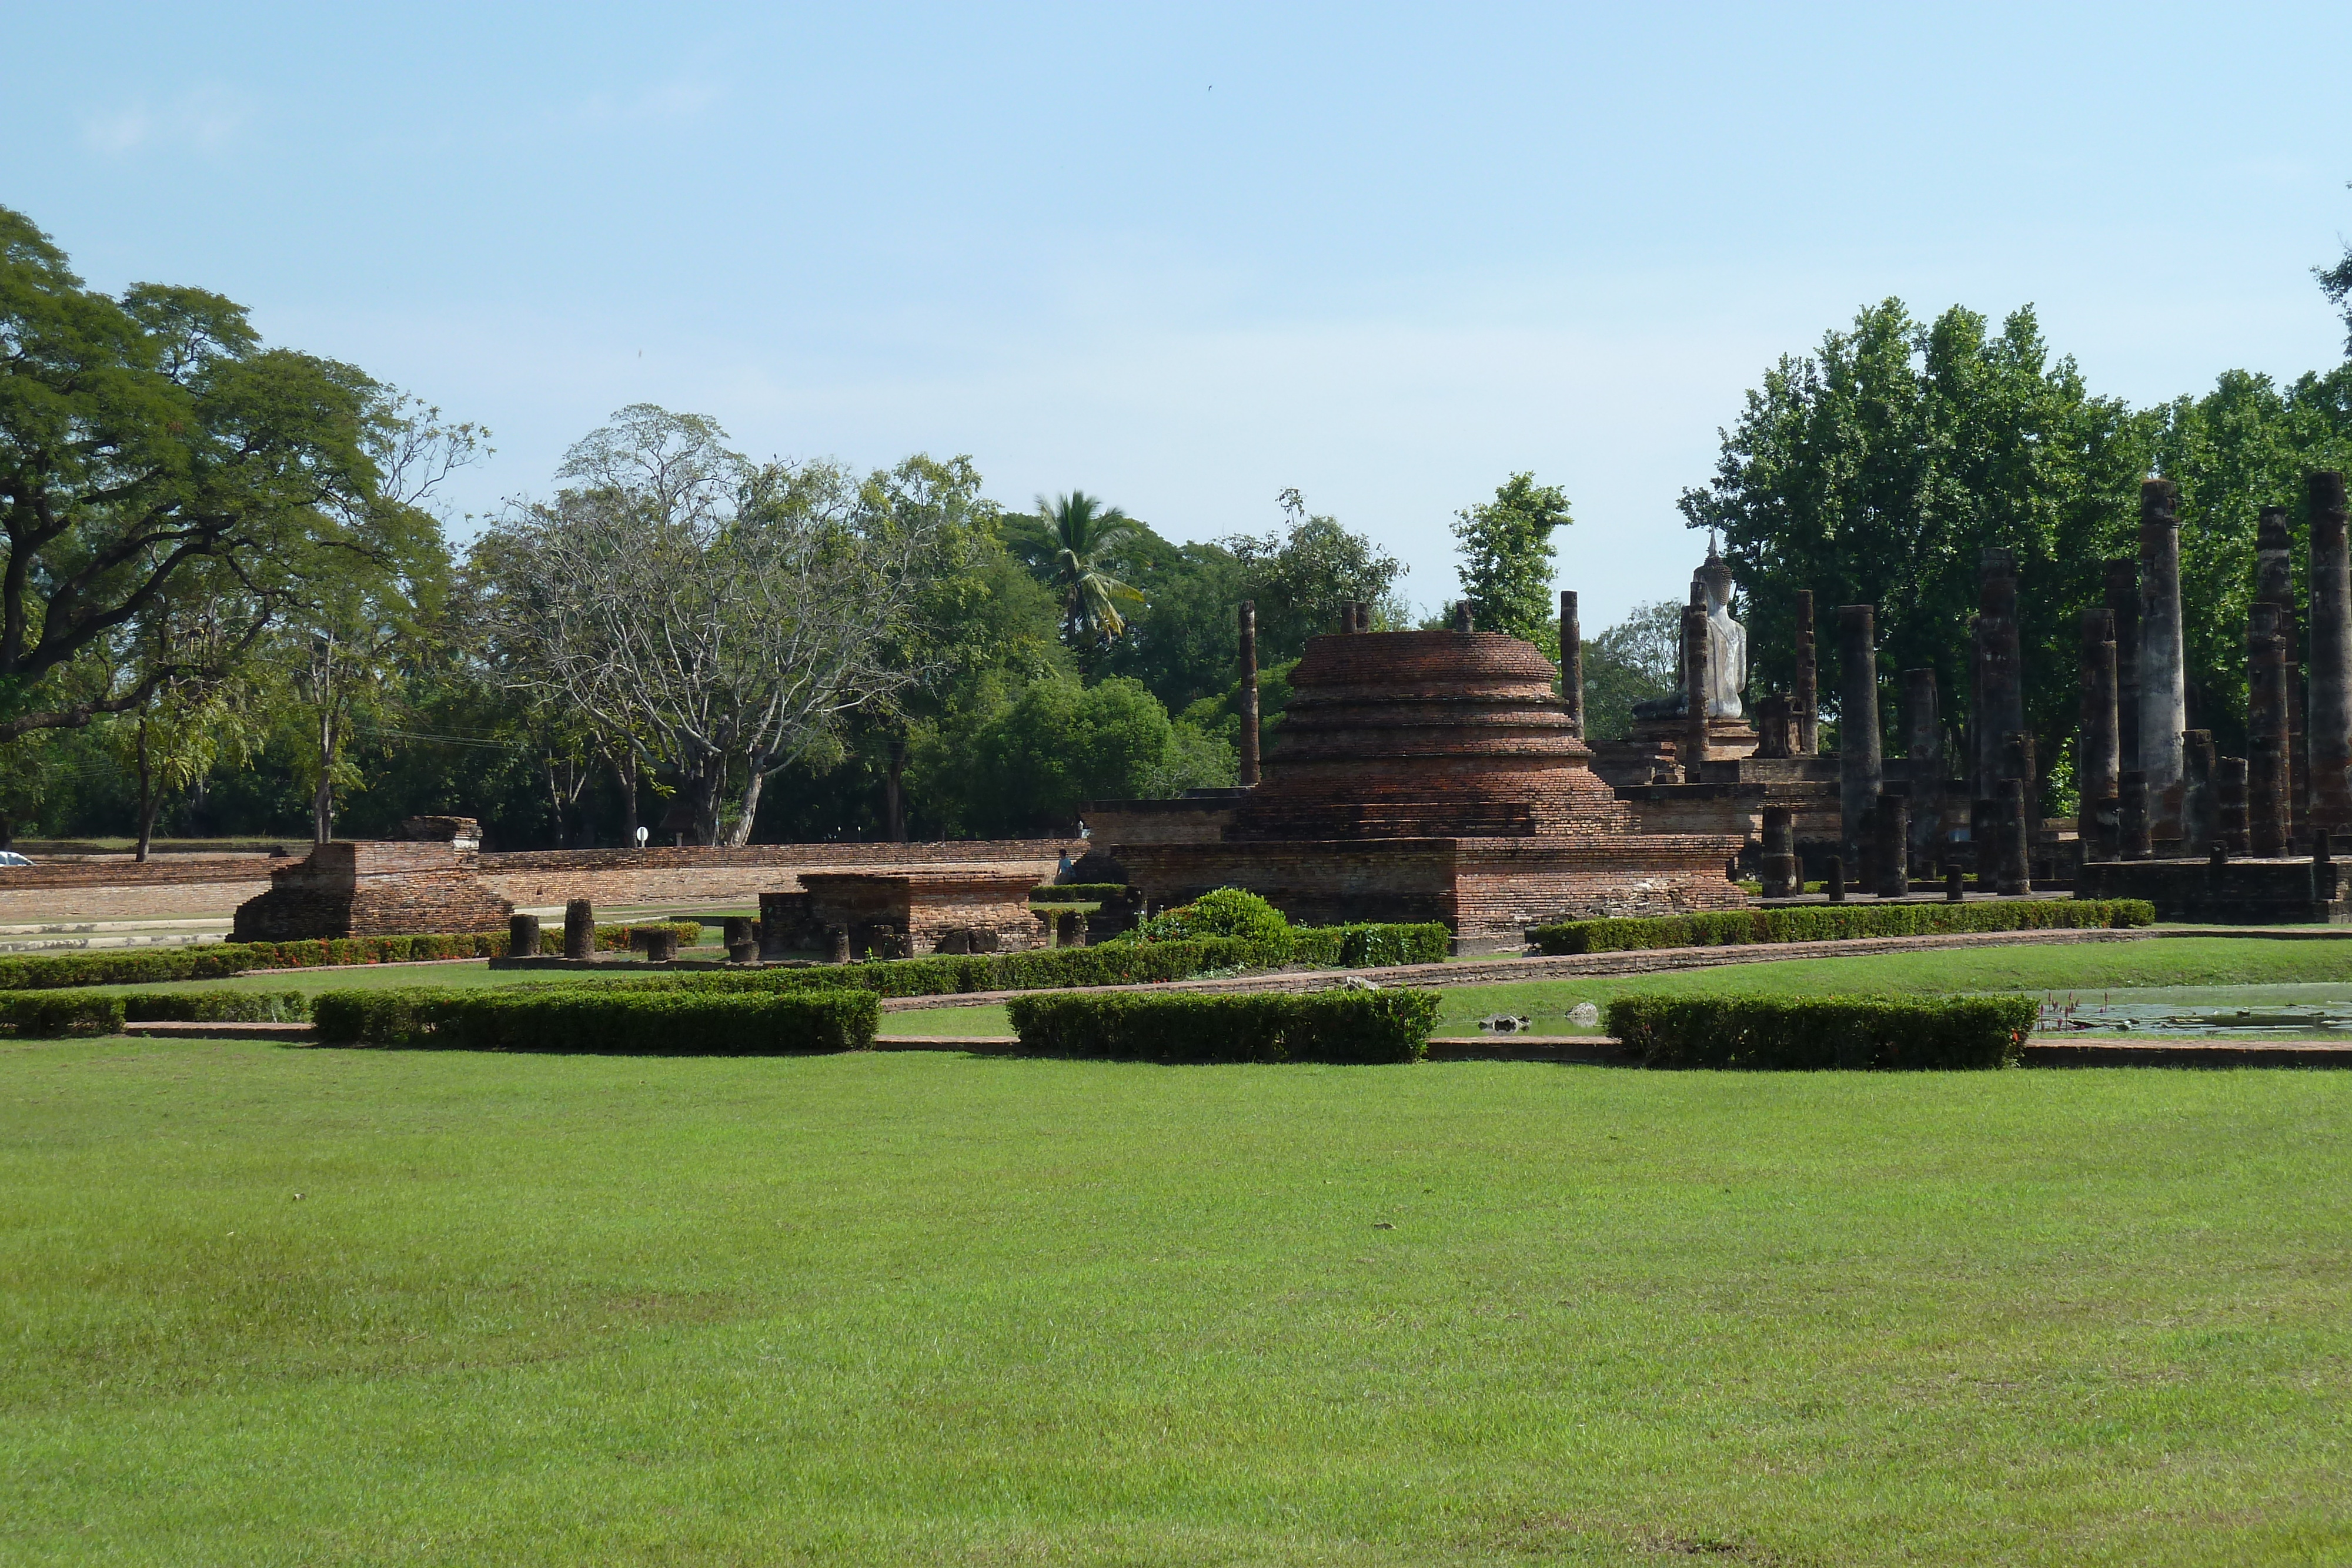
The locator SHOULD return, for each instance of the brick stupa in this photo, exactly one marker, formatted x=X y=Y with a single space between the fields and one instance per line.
x=1424 y=776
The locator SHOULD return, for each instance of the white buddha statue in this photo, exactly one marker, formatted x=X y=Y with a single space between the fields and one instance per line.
x=1726 y=640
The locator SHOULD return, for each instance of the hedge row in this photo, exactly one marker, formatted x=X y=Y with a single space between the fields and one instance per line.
x=1328 y=1026
x=1365 y=946
x=214 y=960
x=593 y=1019
x=1044 y=969
x=1829 y=921
x=1787 y=1033
x=51 y=1014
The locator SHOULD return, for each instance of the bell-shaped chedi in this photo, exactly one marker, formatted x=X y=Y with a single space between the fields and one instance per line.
x=1424 y=776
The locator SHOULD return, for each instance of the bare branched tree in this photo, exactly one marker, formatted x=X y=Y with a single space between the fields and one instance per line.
x=724 y=612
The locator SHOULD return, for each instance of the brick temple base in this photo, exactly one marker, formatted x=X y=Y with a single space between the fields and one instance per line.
x=2239 y=892
x=1478 y=886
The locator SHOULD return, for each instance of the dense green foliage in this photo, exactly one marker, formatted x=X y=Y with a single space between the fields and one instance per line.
x=1507 y=557
x=1325 y=1025
x=1831 y=922
x=1226 y=912
x=67 y=1012
x=602 y=1019
x=212 y=960
x=1879 y=469
x=1768 y=1033
x=1365 y=944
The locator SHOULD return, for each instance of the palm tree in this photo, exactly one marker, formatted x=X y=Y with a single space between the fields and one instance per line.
x=1087 y=536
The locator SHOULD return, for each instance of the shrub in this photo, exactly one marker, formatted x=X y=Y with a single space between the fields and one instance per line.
x=1227 y=911
x=1328 y=1026
x=49 y=1015
x=1368 y=945
x=1830 y=921
x=603 y=1019
x=217 y=1007
x=1801 y=1033
x=216 y=960
x=1112 y=964
x=1078 y=893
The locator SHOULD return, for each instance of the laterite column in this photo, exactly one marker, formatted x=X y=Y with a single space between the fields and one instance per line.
x=1859 y=770
x=2274 y=585
x=1925 y=729
x=1571 y=664
x=1248 y=773
x=2270 y=748
x=2097 y=773
x=1779 y=857
x=1807 y=695
x=2163 y=689
x=2329 y=725
x=1699 y=663
x=2200 y=815
x=1890 y=824
x=2001 y=675
x=2123 y=603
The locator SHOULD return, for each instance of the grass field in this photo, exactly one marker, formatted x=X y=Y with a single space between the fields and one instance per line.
x=941 y=1308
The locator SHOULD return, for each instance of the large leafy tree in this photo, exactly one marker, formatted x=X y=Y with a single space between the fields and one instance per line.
x=1878 y=469
x=1507 y=557
x=161 y=470
x=725 y=615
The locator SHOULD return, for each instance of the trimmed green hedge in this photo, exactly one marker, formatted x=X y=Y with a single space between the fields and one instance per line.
x=603 y=1020
x=216 y=960
x=1078 y=893
x=1044 y=970
x=1366 y=945
x=1789 y=1033
x=1830 y=921
x=1328 y=1026
x=52 y=1014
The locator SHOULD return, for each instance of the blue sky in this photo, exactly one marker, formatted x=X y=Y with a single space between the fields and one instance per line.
x=1187 y=257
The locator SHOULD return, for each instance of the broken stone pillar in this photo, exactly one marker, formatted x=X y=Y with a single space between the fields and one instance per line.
x=1697 y=662
x=2163 y=689
x=2096 y=764
x=1833 y=883
x=2274 y=585
x=1778 y=862
x=1571 y=664
x=2230 y=823
x=838 y=939
x=2123 y=603
x=1926 y=735
x=2198 y=818
x=2270 y=742
x=1955 y=891
x=523 y=937
x=2131 y=816
x=1859 y=770
x=2014 y=873
x=1891 y=829
x=579 y=929
x=1776 y=728
x=2001 y=673
x=2329 y=725
x=741 y=935
x=1807 y=695
x=2016 y=761
x=1249 y=738
x=1462 y=616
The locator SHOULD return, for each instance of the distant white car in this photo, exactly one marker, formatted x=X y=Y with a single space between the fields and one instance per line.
x=10 y=857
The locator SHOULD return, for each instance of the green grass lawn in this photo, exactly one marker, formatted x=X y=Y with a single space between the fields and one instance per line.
x=885 y=1308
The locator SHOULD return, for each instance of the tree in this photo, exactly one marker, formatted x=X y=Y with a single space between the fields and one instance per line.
x=154 y=458
x=727 y=613
x=1022 y=761
x=1878 y=470
x=1303 y=577
x=1507 y=557
x=1085 y=538
x=2335 y=282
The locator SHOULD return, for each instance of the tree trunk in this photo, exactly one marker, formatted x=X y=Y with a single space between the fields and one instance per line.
x=894 y=792
x=741 y=834
x=146 y=797
x=701 y=789
x=8 y=830
x=322 y=804
x=197 y=817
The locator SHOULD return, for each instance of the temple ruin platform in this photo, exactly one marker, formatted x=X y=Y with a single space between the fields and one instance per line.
x=2237 y=891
